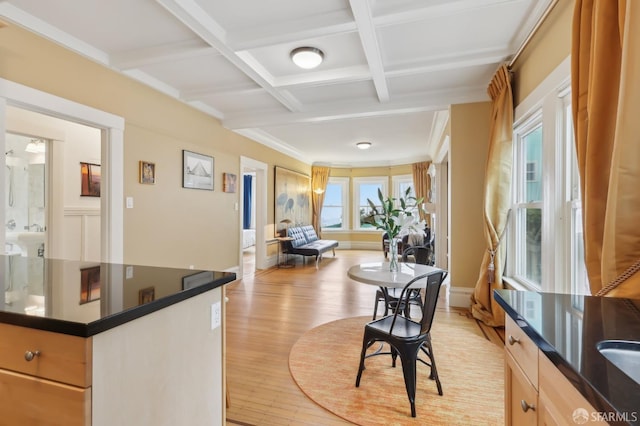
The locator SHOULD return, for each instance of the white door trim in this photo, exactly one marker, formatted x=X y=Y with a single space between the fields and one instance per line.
x=261 y=209
x=112 y=185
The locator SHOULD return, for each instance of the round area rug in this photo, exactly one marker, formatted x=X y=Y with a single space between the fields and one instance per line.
x=324 y=364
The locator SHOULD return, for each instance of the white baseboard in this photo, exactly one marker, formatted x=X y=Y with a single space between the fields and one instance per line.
x=460 y=297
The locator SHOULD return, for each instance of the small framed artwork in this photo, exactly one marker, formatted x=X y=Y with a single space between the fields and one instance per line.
x=147 y=172
x=197 y=171
x=89 y=284
x=90 y=180
x=146 y=295
x=229 y=182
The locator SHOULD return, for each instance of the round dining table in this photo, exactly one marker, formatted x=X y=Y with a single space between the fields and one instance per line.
x=378 y=274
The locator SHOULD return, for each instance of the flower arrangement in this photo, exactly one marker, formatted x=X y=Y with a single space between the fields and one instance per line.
x=396 y=221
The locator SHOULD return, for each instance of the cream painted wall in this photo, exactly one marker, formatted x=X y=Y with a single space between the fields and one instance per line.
x=169 y=225
x=469 y=132
x=549 y=46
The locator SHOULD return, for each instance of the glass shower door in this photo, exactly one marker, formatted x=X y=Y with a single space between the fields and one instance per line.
x=25 y=195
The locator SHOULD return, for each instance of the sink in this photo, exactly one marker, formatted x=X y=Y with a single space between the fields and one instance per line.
x=624 y=354
x=28 y=241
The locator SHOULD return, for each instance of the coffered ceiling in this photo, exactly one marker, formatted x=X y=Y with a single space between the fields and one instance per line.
x=391 y=67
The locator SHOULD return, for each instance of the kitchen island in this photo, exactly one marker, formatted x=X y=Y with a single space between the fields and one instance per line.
x=103 y=344
x=565 y=331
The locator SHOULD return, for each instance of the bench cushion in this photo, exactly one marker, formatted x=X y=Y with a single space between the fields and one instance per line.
x=309 y=233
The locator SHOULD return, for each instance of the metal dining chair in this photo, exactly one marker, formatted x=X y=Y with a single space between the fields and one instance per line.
x=407 y=338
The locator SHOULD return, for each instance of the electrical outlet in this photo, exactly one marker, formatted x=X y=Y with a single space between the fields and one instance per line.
x=215 y=315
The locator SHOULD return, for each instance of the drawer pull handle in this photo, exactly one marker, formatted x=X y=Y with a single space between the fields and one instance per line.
x=513 y=340
x=526 y=407
x=29 y=355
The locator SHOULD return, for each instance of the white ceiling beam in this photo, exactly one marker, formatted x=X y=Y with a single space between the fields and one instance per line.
x=362 y=14
x=434 y=100
x=194 y=17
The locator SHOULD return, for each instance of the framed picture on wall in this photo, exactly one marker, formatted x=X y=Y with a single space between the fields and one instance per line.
x=229 y=182
x=90 y=180
x=147 y=172
x=292 y=197
x=197 y=171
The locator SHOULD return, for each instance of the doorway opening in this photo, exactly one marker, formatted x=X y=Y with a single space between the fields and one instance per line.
x=110 y=128
x=253 y=216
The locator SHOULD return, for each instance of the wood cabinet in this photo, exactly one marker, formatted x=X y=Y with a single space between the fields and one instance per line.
x=559 y=400
x=164 y=368
x=536 y=392
x=45 y=377
x=521 y=377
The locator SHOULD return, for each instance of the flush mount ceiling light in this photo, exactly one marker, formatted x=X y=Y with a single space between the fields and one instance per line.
x=307 y=57
x=364 y=145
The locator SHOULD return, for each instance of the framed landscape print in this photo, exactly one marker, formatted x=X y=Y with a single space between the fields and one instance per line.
x=197 y=171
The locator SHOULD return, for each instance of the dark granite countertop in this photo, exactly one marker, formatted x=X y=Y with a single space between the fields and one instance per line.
x=84 y=298
x=567 y=329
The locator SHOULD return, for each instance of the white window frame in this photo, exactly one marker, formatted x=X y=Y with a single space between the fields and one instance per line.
x=357 y=181
x=520 y=181
x=398 y=180
x=549 y=99
x=343 y=182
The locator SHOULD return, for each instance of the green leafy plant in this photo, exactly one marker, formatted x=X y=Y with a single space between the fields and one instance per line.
x=397 y=217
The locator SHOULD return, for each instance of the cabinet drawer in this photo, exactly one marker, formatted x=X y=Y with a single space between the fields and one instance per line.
x=521 y=399
x=28 y=400
x=62 y=357
x=523 y=350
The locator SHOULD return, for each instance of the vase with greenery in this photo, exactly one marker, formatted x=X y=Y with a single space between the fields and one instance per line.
x=397 y=217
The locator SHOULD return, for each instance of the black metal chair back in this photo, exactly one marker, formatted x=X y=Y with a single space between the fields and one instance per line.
x=432 y=291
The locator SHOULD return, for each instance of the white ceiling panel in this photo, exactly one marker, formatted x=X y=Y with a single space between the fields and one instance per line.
x=391 y=68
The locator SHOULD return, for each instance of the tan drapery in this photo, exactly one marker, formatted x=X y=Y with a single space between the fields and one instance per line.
x=606 y=100
x=422 y=185
x=319 y=179
x=497 y=188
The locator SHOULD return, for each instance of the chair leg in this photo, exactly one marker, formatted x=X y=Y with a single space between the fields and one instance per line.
x=428 y=349
x=408 y=358
x=365 y=345
x=375 y=308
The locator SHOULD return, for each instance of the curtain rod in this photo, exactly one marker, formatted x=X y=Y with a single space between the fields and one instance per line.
x=533 y=31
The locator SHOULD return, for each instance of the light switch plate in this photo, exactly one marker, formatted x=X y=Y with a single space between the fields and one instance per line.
x=129 y=202
x=129 y=272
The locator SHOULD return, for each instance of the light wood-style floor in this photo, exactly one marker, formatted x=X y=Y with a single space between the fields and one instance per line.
x=268 y=312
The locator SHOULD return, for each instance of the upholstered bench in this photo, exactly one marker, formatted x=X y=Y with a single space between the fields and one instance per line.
x=305 y=242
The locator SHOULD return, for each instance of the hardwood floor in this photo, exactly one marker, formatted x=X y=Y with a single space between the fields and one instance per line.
x=268 y=312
